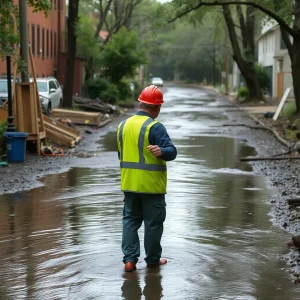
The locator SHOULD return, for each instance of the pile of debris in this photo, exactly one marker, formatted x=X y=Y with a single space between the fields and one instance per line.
x=98 y=105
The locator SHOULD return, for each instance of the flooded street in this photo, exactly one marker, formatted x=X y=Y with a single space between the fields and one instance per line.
x=63 y=240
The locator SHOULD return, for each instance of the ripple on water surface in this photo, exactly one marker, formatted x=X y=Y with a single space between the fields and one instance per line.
x=62 y=241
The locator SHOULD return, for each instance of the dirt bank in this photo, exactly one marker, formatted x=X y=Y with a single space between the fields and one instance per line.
x=282 y=177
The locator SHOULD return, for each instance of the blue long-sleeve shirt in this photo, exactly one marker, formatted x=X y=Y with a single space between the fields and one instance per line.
x=158 y=135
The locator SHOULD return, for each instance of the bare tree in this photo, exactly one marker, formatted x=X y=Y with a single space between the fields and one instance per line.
x=245 y=59
x=290 y=28
x=113 y=15
x=71 y=53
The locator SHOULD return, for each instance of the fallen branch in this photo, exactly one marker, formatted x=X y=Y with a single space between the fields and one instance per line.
x=293 y=201
x=268 y=158
x=244 y=125
x=274 y=131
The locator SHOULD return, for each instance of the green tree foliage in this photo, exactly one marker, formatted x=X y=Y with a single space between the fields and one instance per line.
x=122 y=55
x=9 y=18
x=285 y=12
x=103 y=89
x=262 y=77
x=87 y=44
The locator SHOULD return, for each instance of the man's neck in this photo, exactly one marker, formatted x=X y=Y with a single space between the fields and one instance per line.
x=147 y=111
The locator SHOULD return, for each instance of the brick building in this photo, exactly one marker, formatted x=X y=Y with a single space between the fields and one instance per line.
x=47 y=37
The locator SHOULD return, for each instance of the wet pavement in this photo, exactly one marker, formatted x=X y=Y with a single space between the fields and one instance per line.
x=62 y=240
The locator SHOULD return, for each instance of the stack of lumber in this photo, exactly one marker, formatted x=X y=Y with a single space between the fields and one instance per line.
x=60 y=133
x=94 y=105
x=78 y=117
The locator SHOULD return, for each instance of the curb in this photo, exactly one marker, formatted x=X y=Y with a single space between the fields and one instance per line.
x=272 y=130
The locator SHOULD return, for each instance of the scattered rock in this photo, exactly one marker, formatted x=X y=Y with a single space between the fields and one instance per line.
x=296 y=241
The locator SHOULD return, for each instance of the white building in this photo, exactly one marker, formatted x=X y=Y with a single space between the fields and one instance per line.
x=274 y=57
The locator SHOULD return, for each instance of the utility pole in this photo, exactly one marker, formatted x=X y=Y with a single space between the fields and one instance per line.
x=24 y=38
x=10 y=119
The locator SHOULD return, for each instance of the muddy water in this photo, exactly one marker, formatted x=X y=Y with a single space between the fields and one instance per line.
x=62 y=241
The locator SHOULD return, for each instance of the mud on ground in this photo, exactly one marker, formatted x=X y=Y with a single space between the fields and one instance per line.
x=281 y=176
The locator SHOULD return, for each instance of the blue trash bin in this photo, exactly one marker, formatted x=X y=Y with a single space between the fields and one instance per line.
x=15 y=146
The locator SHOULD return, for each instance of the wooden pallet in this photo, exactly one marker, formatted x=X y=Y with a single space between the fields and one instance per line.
x=28 y=111
x=60 y=133
x=78 y=117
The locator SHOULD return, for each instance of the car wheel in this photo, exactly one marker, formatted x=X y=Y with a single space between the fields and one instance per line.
x=60 y=103
x=48 y=111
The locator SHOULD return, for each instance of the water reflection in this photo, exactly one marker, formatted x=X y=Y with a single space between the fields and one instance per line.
x=62 y=241
x=152 y=290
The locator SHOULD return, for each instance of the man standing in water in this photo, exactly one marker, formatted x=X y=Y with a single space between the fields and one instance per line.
x=144 y=147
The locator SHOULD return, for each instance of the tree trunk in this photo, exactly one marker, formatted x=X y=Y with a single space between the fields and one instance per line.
x=89 y=70
x=254 y=90
x=246 y=64
x=71 y=54
x=295 y=51
x=296 y=71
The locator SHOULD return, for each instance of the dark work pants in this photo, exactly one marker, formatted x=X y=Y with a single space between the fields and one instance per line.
x=150 y=208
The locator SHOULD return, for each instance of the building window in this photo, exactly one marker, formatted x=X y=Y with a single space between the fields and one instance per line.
x=38 y=40
x=282 y=43
x=47 y=43
x=54 y=44
x=51 y=44
x=43 y=43
x=33 y=39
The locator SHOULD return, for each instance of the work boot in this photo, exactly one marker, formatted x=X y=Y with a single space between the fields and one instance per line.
x=130 y=267
x=163 y=261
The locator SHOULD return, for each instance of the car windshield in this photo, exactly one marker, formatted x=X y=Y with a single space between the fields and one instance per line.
x=156 y=79
x=3 y=86
x=42 y=86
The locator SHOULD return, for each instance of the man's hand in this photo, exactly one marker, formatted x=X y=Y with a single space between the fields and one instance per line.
x=155 y=150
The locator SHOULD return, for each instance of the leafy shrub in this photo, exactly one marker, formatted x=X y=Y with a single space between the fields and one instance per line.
x=124 y=89
x=3 y=126
x=96 y=87
x=110 y=94
x=262 y=78
x=243 y=92
x=137 y=89
x=290 y=109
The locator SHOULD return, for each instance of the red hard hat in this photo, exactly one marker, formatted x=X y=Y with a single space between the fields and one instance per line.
x=151 y=95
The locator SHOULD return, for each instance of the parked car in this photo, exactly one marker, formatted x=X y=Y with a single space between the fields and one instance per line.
x=3 y=89
x=50 y=92
x=157 y=81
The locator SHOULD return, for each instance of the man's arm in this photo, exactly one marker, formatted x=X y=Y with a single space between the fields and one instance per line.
x=159 y=137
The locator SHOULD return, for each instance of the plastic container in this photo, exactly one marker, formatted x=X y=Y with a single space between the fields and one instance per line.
x=16 y=146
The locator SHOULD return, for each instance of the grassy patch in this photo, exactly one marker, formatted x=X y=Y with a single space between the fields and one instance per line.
x=291 y=134
x=75 y=106
x=290 y=109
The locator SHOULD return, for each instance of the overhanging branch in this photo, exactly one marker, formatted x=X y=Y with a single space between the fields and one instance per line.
x=270 y=13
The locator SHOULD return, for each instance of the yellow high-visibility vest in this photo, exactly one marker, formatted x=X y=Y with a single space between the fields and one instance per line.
x=141 y=171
